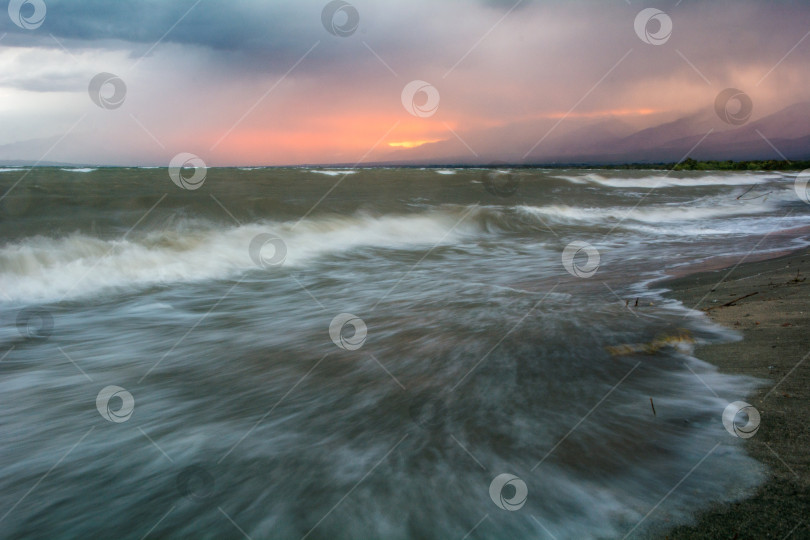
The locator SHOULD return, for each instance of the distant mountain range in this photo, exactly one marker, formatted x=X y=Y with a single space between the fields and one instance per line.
x=576 y=140
x=703 y=136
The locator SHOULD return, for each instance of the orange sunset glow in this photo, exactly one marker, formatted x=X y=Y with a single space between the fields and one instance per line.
x=531 y=89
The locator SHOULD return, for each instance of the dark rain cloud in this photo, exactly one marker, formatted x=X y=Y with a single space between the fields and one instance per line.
x=263 y=35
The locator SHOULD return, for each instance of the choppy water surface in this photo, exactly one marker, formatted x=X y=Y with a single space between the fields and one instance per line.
x=234 y=411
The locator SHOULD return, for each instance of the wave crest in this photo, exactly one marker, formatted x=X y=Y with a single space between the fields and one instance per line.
x=44 y=268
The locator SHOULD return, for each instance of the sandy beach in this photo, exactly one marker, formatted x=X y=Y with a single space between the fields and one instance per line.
x=767 y=301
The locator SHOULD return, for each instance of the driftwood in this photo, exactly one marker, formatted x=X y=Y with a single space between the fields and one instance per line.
x=729 y=304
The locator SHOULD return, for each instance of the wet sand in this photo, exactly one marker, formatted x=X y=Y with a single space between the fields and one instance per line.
x=775 y=347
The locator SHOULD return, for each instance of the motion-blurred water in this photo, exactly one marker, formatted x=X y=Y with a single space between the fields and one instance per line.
x=484 y=355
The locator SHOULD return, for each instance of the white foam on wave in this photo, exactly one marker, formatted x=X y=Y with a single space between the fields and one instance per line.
x=49 y=269
x=332 y=173
x=445 y=171
x=11 y=169
x=696 y=211
x=728 y=229
x=82 y=170
x=664 y=181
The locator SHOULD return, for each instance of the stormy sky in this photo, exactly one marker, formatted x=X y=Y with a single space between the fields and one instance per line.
x=272 y=82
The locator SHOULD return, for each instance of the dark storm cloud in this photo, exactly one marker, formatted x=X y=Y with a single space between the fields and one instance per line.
x=219 y=24
x=421 y=34
x=265 y=36
x=248 y=27
x=211 y=23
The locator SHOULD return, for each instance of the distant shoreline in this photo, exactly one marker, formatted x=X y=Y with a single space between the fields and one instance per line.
x=685 y=165
x=769 y=302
